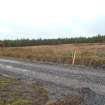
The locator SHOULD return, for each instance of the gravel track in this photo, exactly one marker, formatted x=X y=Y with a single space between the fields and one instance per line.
x=60 y=80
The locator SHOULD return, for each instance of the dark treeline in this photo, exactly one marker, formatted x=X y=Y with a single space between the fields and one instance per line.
x=28 y=42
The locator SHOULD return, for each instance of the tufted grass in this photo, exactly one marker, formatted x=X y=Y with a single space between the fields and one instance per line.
x=86 y=54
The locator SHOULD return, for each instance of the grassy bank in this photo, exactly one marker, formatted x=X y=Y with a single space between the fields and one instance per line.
x=92 y=54
x=16 y=92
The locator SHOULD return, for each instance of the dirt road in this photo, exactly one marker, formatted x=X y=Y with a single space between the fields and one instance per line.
x=60 y=80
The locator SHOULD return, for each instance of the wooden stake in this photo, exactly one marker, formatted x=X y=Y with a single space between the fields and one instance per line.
x=74 y=56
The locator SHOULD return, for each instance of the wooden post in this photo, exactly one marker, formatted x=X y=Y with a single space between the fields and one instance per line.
x=73 y=57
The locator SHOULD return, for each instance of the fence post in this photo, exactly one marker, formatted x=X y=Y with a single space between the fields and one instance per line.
x=73 y=57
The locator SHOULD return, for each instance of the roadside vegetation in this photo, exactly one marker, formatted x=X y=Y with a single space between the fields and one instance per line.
x=91 y=54
x=16 y=92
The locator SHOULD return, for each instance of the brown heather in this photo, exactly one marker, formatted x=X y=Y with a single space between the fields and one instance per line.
x=86 y=54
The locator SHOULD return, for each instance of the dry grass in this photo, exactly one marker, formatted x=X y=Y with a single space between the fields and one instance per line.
x=86 y=54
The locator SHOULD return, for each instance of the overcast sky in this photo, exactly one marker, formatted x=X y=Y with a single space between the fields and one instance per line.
x=51 y=18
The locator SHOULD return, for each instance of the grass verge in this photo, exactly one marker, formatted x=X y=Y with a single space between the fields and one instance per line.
x=16 y=92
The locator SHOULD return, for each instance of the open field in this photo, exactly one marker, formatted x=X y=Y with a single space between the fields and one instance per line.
x=86 y=54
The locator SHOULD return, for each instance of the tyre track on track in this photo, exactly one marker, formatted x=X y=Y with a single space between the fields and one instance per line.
x=60 y=76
